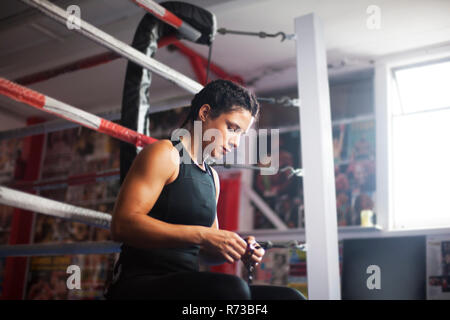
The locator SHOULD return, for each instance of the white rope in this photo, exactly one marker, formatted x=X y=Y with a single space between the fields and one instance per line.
x=73 y=114
x=54 y=249
x=26 y=201
x=116 y=45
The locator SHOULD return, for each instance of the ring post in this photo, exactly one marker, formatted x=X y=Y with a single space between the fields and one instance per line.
x=317 y=158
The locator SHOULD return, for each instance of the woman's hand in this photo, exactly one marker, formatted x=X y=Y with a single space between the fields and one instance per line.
x=254 y=252
x=228 y=245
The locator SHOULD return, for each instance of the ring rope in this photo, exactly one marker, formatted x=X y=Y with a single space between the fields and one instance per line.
x=63 y=110
x=108 y=41
x=53 y=249
x=30 y=202
x=60 y=124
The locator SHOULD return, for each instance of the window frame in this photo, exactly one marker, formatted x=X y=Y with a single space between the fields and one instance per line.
x=384 y=93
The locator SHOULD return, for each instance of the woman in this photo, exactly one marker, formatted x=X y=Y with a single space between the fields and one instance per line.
x=165 y=213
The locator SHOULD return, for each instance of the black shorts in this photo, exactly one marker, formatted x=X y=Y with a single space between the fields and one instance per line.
x=196 y=286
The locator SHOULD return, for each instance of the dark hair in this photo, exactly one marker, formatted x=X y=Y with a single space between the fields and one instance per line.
x=223 y=96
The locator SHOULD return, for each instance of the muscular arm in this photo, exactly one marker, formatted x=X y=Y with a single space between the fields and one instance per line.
x=154 y=167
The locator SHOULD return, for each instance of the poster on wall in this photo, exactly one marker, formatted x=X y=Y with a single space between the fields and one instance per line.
x=354 y=159
x=49 y=277
x=438 y=267
x=6 y=214
x=79 y=151
x=10 y=150
x=274 y=269
x=282 y=267
x=70 y=153
x=282 y=192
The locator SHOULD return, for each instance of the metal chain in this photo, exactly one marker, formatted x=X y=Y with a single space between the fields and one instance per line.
x=260 y=34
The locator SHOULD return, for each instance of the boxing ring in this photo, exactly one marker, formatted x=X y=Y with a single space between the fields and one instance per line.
x=317 y=171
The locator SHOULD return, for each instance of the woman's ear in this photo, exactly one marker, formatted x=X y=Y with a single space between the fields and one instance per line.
x=204 y=112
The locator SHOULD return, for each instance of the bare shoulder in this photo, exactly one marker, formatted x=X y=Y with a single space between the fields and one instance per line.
x=161 y=150
x=160 y=156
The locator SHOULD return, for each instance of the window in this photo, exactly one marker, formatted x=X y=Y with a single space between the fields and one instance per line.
x=420 y=156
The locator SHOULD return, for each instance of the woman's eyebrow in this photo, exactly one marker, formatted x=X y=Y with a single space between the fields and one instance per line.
x=233 y=124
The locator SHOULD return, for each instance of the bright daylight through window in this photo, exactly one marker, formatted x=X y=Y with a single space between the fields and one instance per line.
x=420 y=155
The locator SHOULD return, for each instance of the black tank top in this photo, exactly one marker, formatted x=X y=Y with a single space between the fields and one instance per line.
x=189 y=200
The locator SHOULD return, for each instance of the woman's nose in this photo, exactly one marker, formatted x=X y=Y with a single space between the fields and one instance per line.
x=234 y=142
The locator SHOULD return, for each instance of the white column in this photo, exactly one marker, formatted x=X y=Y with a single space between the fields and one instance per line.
x=383 y=145
x=318 y=163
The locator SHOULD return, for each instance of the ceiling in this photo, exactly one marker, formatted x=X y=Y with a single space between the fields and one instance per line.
x=31 y=42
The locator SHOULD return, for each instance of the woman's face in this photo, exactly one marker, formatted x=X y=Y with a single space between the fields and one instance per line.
x=222 y=134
